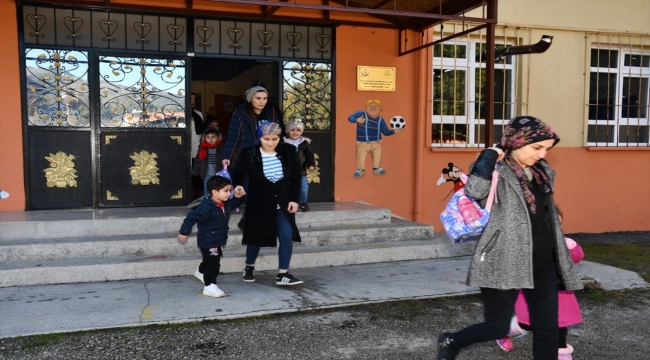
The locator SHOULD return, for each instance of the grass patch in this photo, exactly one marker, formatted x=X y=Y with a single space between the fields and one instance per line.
x=632 y=257
x=42 y=340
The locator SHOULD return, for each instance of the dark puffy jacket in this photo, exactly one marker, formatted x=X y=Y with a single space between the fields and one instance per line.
x=212 y=224
x=242 y=131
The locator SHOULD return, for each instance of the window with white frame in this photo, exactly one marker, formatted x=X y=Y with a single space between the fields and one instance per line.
x=619 y=95
x=458 y=104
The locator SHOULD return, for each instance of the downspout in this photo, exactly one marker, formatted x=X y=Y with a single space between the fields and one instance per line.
x=420 y=133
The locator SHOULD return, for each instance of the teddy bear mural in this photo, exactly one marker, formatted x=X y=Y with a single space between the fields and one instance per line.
x=370 y=127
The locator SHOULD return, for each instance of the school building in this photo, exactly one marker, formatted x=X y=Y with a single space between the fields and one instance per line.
x=96 y=96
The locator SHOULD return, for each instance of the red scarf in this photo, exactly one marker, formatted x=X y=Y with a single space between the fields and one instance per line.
x=203 y=148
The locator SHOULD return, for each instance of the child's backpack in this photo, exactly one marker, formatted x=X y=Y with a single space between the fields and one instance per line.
x=463 y=218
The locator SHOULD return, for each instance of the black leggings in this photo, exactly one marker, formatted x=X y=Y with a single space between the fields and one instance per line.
x=498 y=307
x=561 y=344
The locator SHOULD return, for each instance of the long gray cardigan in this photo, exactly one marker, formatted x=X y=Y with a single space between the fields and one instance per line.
x=503 y=258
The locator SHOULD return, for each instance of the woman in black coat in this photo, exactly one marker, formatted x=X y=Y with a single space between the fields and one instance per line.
x=273 y=171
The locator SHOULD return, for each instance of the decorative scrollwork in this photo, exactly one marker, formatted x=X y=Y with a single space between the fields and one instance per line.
x=142 y=29
x=265 y=37
x=36 y=22
x=144 y=171
x=108 y=27
x=313 y=176
x=61 y=172
x=322 y=40
x=57 y=87
x=178 y=138
x=73 y=24
x=142 y=92
x=204 y=33
x=109 y=138
x=235 y=34
x=179 y=195
x=307 y=93
x=175 y=31
x=110 y=196
x=294 y=39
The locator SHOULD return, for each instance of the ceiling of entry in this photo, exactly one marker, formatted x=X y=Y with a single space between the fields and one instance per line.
x=211 y=69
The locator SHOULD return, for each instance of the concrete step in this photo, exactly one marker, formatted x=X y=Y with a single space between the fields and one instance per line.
x=115 y=268
x=87 y=223
x=149 y=245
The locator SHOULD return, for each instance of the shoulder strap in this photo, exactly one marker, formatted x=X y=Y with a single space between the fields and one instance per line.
x=493 y=191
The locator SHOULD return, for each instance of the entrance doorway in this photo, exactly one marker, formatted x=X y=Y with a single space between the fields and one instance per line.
x=219 y=85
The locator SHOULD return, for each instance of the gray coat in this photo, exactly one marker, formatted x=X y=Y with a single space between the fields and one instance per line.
x=503 y=258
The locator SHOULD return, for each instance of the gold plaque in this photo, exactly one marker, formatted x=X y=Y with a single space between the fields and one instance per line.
x=144 y=171
x=61 y=172
x=375 y=78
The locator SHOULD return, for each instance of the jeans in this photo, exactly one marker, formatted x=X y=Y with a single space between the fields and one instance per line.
x=498 y=307
x=304 y=189
x=285 y=249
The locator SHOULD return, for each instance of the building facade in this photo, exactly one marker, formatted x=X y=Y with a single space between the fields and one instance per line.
x=100 y=90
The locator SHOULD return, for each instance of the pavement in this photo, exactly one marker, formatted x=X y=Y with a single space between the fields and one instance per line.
x=44 y=309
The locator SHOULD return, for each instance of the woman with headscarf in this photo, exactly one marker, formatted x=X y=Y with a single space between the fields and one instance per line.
x=522 y=246
x=274 y=174
x=244 y=123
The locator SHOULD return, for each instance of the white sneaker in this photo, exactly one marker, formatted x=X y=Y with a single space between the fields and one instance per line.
x=213 y=290
x=198 y=275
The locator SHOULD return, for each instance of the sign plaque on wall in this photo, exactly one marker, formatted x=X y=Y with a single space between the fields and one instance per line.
x=375 y=78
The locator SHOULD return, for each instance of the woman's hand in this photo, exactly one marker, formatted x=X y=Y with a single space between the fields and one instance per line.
x=311 y=168
x=239 y=191
x=181 y=237
x=293 y=207
x=225 y=162
x=499 y=151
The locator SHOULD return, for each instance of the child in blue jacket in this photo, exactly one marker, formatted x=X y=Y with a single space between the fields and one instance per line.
x=211 y=217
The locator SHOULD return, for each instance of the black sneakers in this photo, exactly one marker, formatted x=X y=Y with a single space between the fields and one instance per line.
x=249 y=274
x=286 y=279
x=304 y=207
x=445 y=347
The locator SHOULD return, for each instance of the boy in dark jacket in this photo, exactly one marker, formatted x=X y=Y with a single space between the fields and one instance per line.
x=294 y=137
x=211 y=217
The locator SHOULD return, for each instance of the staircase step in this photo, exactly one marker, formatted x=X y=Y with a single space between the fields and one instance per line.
x=115 y=268
x=146 y=245
x=144 y=221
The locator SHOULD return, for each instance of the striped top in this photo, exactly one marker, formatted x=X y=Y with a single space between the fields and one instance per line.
x=272 y=167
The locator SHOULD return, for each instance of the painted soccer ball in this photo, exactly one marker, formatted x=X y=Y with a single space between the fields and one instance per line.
x=397 y=122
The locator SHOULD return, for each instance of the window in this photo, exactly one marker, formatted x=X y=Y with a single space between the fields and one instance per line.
x=619 y=88
x=458 y=106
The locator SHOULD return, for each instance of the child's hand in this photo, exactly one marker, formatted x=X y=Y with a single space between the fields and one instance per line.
x=181 y=238
x=311 y=168
x=361 y=120
x=398 y=130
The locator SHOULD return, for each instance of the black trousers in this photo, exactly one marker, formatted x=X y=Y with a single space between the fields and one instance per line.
x=498 y=307
x=210 y=265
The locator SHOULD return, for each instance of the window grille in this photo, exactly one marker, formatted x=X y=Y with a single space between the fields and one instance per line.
x=618 y=90
x=458 y=78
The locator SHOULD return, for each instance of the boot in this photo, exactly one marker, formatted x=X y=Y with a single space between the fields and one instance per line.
x=445 y=344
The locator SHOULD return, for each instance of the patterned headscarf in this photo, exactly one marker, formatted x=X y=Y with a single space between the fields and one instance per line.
x=268 y=128
x=522 y=131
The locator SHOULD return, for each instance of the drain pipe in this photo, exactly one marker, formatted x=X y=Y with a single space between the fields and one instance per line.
x=420 y=106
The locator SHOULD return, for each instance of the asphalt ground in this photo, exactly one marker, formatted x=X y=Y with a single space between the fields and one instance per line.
x=615 y=327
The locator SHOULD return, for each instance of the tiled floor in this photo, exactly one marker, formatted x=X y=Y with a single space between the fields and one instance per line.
x=121 y=213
